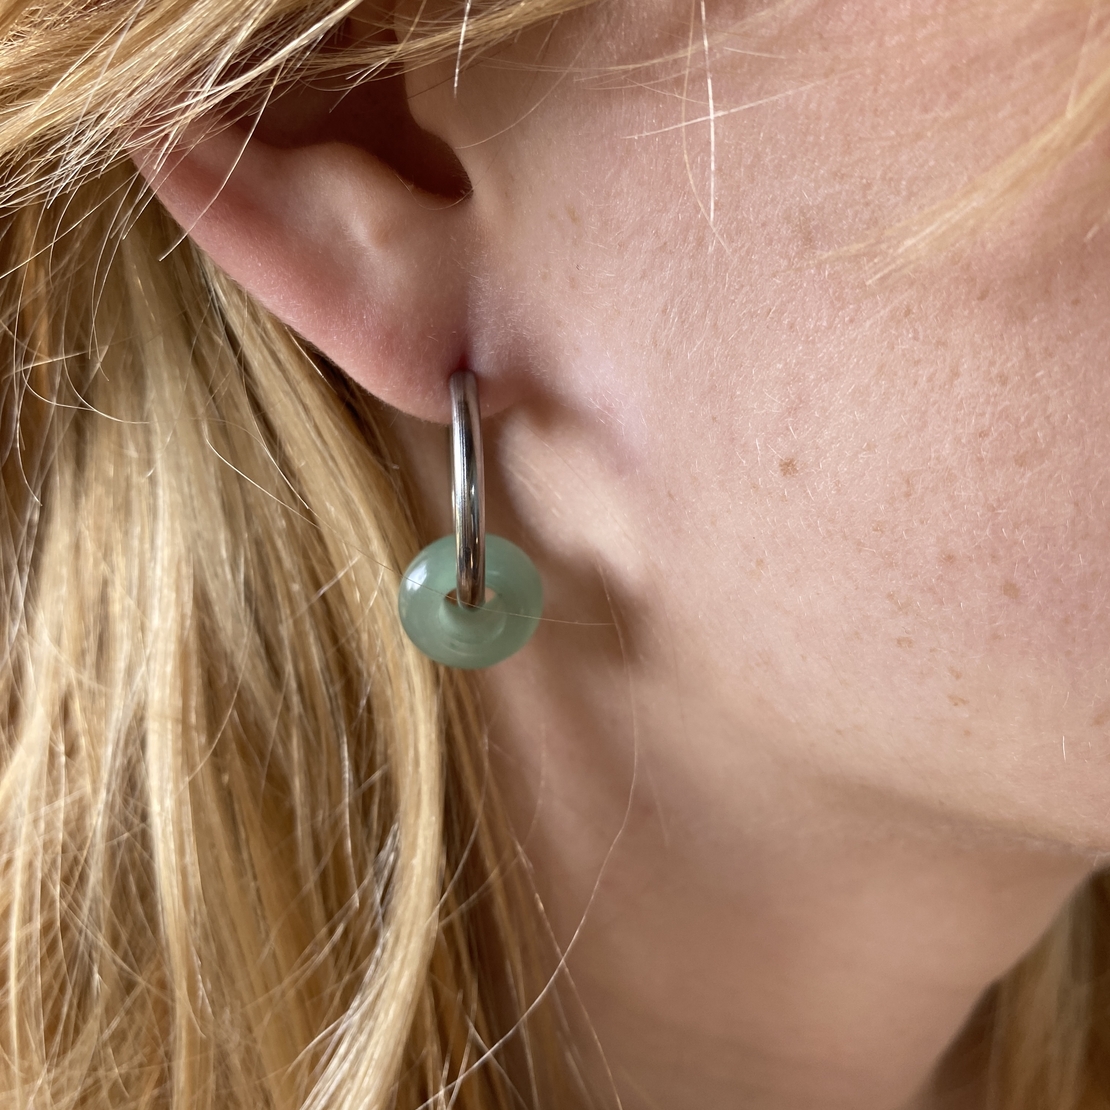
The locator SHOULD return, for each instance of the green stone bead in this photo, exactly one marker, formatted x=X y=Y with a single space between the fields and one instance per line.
x=470 y=638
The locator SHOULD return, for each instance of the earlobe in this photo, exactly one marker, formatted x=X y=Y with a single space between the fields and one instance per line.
x=364 y=265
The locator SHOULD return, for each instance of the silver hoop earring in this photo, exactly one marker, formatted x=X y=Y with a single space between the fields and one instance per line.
x=469 y=600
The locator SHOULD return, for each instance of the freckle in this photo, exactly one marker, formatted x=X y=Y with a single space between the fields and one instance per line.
x=957 y=675
x=967 y=732
x=982 y=433
x=1011 y=591
x=956 y=700
x=983 y=293
x=1021 y=460
x=1101 y=717
x=904 y=641
x=572 y=214
x=907 y=311
x=788 y=467
x=907 y=493
x=902 y=605
x=948 y=558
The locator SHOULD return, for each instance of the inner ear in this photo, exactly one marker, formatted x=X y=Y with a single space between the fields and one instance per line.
x=372 y=114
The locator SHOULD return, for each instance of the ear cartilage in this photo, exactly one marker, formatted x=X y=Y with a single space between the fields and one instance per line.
x=469 y=600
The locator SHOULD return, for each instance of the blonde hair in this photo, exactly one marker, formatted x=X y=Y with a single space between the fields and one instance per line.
x=248 y=842
x=250 y=852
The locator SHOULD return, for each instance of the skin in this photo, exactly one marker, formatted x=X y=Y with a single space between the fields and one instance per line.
x=812 y=746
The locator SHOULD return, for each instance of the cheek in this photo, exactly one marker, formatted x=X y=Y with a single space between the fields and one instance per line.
x=927 y=474
x=971 y=448
x=899 y=524
x=924 y=460
x=887 y=509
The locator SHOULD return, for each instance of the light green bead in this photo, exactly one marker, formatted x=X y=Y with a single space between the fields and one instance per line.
x=470 y=638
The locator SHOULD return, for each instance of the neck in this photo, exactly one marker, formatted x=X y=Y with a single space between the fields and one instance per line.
x=756 y=937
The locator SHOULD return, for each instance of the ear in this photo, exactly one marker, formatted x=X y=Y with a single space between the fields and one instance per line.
x=349 y=223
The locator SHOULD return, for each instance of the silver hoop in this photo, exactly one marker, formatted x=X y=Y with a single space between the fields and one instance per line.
x=468 y=490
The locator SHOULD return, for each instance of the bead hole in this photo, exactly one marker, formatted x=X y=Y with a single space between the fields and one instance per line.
x=453 y=597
